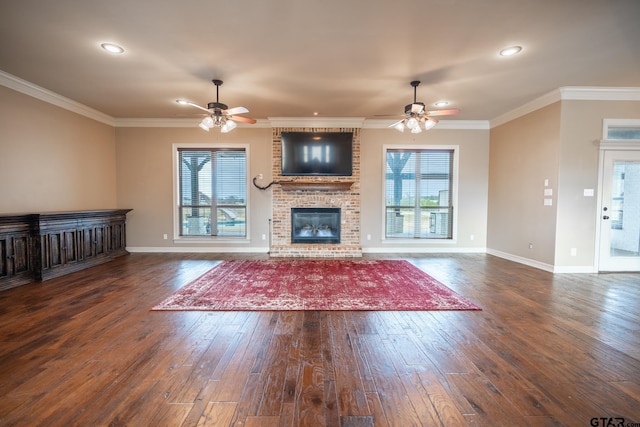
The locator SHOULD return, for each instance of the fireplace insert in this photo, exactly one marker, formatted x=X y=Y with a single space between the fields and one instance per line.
x=315 y=225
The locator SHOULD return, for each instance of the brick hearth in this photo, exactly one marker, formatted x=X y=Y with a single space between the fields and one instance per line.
x=326 y=192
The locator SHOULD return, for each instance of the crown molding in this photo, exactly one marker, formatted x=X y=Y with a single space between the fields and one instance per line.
x=529 y=107
x=570 y=93
x=579 y=93
x=585 y=93
x=302 y=122
x=177 y=123
x=45 y=95
x=316 y=122
x=442 y=124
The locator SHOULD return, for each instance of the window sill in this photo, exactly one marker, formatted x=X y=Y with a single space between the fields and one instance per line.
x=414 y=241
x=212 y=239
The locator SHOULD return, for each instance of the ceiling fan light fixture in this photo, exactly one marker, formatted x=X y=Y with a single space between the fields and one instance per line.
x=428 y=124
x=228 y=126
x=203 y=126
x=416 y=129
x=412 y=123
x=399 y=126
x=208 y=122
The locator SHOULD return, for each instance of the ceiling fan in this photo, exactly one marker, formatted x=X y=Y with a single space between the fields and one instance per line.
x=417 y=118
x=219 y=114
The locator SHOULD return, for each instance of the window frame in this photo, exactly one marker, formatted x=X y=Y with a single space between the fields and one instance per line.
x=176 y=147
x=455 y=149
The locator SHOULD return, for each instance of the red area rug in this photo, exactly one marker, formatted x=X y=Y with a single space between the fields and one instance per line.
x=285 y=284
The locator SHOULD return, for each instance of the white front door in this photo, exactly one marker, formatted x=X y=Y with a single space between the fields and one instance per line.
x=620 y=211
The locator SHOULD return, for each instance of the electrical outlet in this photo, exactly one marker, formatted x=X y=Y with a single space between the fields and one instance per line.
x=165 y=237
x=264 y=237
x=530 y=245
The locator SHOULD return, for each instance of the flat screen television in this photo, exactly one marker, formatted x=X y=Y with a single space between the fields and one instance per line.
x=317 y=153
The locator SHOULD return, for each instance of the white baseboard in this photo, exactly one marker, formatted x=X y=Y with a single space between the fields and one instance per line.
x=201 y=249
x=422 y=250
x=375 y=250
x=582 y=269
x=521 y=260
x=542 y=266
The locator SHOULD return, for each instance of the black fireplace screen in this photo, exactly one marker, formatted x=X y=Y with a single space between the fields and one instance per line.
x=315 y=225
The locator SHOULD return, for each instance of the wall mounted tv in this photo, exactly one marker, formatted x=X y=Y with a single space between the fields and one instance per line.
x=317 y=153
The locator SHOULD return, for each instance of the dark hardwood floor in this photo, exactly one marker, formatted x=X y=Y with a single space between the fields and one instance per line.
x=547 y=350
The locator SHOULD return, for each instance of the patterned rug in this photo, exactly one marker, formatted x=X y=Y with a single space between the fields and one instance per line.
x=296 y=284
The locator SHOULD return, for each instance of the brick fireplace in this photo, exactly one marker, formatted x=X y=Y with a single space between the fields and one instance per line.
x=335 y=192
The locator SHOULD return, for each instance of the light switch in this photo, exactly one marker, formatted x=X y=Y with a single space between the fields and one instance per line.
x=548 y=202
x=588 y=192
x=548 y=191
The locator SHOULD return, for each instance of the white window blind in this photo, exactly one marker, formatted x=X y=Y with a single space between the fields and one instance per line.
x=212 y=192
x=418 y=189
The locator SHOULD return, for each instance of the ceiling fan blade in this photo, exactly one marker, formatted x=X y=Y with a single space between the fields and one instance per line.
x=236 y=110
x=442 y=112
x=396 y=123
x=242 y=119
x=417 y=108
x=197 y=106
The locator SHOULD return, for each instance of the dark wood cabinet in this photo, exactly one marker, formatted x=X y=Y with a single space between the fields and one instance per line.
x=16 y=262
x=47 y=245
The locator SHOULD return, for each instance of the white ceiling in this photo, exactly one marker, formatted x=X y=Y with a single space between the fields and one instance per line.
x=291 y=58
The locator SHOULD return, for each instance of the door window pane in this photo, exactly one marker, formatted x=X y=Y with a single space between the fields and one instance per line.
x=625 y=205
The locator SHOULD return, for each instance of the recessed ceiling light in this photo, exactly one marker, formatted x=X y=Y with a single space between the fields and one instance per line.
x=315 y=113
x=182 y=102
x=509 y=51
x=441 y=104
x=112 y=48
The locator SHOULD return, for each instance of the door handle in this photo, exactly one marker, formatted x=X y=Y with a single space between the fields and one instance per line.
x=605 y=217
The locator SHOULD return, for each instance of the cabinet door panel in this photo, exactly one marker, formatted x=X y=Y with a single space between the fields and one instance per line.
x=108 y=239
x=70 y=246
x=87 y=246
x=55 y=249
x=20 y=255
x=4 y=267
x=99 y=238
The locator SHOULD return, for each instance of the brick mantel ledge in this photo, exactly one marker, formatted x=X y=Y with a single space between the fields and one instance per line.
x=315 y=185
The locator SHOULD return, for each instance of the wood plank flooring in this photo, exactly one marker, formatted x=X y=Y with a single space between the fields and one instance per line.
x=546 y=350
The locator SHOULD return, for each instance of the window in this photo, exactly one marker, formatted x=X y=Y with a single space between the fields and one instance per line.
x=623 y=133
x=418 y=193
x=621 y=129
x=212 y=189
